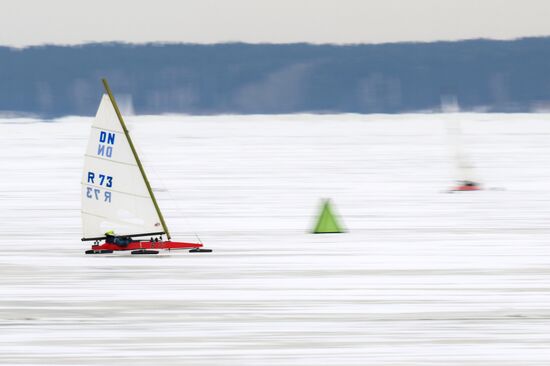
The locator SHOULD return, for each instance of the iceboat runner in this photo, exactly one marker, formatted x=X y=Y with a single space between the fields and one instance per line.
x=118 y=204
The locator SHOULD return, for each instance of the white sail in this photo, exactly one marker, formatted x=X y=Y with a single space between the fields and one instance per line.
x=465 y=171
x=114 y=193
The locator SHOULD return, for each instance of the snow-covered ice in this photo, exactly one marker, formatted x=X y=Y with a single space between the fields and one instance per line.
x=422 y=277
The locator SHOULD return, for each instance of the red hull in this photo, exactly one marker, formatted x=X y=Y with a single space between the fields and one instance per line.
x=467 y=188
x=136 y=245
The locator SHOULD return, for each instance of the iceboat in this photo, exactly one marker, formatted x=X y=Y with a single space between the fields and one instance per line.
x=119 y=209
x=466 y=179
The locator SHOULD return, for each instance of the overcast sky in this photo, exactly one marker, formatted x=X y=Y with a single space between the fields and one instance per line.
x=31 y=22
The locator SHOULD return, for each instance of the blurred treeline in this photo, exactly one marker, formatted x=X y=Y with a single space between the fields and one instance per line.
x=502 y=76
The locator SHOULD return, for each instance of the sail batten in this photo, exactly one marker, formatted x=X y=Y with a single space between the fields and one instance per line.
x=104 y=129
x=115 y=196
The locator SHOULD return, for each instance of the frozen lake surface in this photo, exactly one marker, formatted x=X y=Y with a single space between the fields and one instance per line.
x=421 y=278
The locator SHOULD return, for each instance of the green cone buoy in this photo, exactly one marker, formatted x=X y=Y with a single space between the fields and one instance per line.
x=327 y=223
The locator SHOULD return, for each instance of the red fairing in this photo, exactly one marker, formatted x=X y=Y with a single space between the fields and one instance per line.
x=161 y=245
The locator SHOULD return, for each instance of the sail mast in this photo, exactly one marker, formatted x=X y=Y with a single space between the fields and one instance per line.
x=140 y=166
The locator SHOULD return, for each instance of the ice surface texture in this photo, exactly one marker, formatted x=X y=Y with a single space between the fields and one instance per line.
x=421 y=278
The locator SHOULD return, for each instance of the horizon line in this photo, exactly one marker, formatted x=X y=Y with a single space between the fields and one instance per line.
x=304 y=43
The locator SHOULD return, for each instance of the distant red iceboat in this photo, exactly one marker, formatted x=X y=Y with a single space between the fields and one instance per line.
x=118 y=204
x=466 y=186
x=467 y=181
